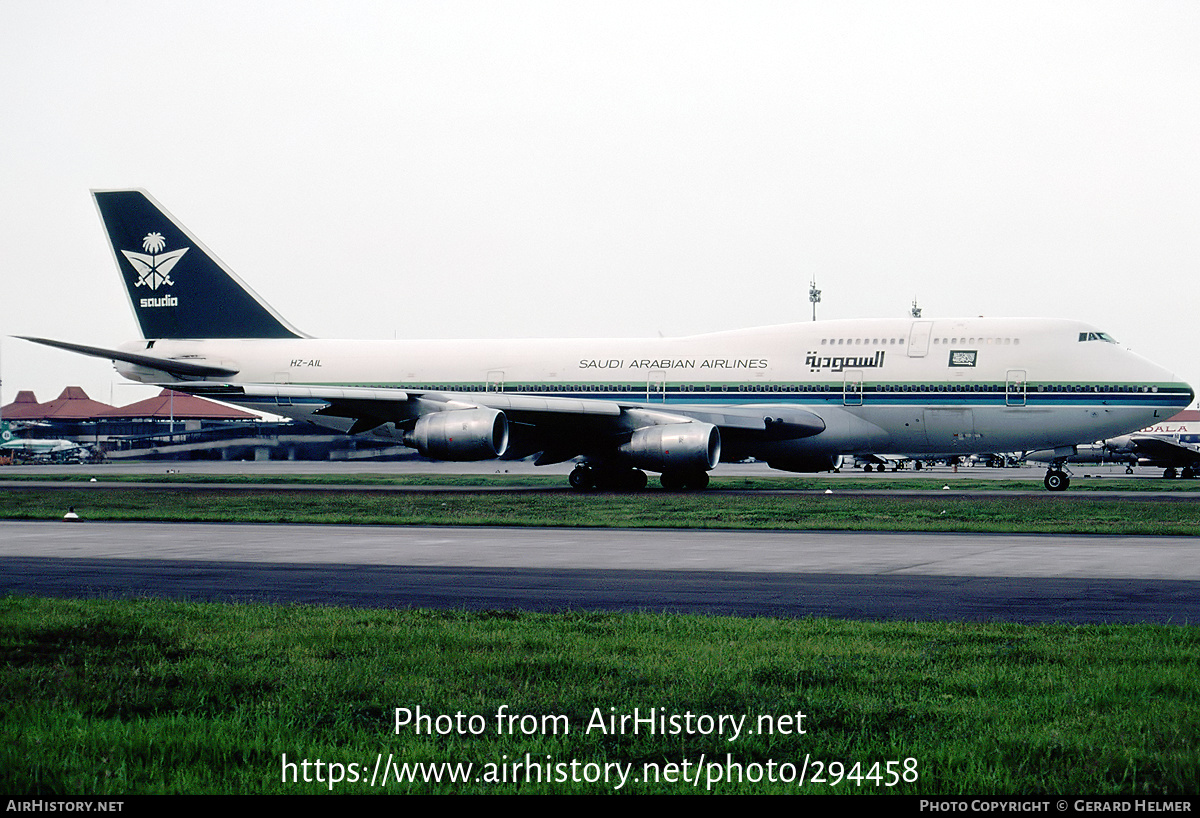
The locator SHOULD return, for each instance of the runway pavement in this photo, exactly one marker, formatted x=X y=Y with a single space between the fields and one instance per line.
x=861 y=575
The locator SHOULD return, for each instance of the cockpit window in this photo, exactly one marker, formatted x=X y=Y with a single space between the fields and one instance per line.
x=1097 y=336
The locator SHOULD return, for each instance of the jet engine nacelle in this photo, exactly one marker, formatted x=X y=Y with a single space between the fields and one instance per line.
x=460 y=434
x=1122 y=444
x=674 y=446
x=814 y=463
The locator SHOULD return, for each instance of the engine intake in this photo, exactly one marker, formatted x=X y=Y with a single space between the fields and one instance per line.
x=460 y=434
x=674 y=446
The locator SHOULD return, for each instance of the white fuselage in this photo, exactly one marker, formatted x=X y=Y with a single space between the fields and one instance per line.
x=889 y=386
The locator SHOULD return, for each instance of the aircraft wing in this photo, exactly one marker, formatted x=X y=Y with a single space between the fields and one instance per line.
x=369 y=408
x=559 y=427
x=1163 y=449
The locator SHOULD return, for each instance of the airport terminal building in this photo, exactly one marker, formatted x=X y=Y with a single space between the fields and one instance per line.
x=169 y=426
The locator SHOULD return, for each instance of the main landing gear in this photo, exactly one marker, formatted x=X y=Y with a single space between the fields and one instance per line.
x=584 y=477
x=619 y=478
x=1056 y=480
x=684 y=480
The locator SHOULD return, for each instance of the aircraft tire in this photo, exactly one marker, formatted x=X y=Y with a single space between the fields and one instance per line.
x=1056 y=481
x=582 y=478
x=620 y=479
x=672 y=480
x=684 y=480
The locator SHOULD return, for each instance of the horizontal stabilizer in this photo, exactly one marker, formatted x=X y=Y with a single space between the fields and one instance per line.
x=182 y=369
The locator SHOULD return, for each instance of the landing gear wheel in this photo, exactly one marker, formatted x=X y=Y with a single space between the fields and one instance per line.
x=620 y=479
x=1057 y=481
x=684 y=480
x=582 y=478
x=1170 y=474
x=672 y=480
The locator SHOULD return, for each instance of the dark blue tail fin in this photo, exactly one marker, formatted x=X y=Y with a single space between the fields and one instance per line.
x=178 y=289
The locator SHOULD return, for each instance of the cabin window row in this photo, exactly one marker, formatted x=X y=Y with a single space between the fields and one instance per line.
x=1016 y=386
x=859 y=341
x=977 y=341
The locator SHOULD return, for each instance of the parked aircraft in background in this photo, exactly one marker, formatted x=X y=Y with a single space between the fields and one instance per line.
x=796 y=396
x=1172 y=445
x=34 y=449
x=880 y=463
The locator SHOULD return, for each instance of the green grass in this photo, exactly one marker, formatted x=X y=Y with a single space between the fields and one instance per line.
x=125 y=697
x=1041 y=513
x=957 y=482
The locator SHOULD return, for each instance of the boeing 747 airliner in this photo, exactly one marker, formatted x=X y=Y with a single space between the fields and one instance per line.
x=796 y=396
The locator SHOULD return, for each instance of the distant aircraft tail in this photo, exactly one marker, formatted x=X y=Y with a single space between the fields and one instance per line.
x=176 y=286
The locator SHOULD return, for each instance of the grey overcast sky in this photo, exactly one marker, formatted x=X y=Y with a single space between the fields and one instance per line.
x=504 y=169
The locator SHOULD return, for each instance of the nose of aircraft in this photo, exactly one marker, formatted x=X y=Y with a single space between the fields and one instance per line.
x=1174 y=393
x=1177 y=386
x=1191 y=392
x=1184 y=386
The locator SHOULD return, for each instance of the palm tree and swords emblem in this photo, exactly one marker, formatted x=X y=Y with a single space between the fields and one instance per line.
x=154 y=269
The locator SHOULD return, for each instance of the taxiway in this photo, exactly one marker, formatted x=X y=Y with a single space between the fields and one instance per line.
x=858 y=575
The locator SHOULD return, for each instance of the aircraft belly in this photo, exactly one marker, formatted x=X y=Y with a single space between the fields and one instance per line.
x=846 y=431
x=957 y=430
x=950 y=430
x=1026 y=428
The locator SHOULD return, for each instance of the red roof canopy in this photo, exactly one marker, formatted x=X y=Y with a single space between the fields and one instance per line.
x=72 y=404
x=24 y=407
x=170 y=403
